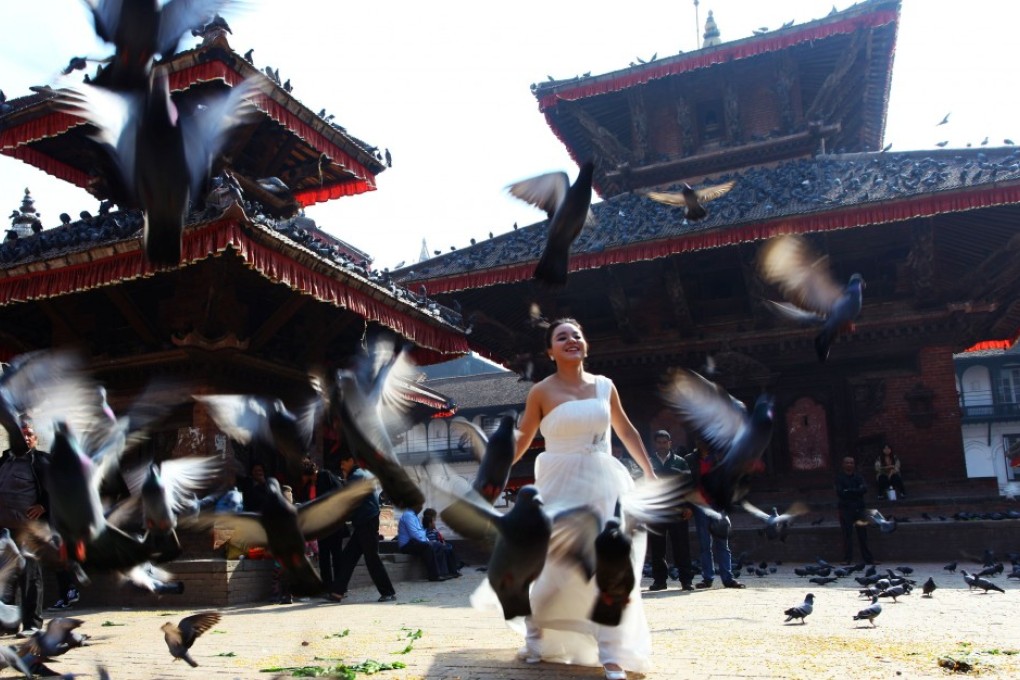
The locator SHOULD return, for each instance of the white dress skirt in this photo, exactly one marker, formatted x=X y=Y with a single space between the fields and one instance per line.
x=577 y=468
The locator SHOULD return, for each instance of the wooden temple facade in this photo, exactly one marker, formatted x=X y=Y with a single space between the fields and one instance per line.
x=796 y=118
x=261 y=295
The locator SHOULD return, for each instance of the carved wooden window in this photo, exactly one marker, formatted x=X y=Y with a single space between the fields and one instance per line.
x=710 y=121
x=807 y=433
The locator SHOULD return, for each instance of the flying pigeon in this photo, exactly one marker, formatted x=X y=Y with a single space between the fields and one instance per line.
x=736 y=437
x=13 y=563
x=691 y=199
x=945 y=119
x=870 y=613
x=568 y=209
x=776 y=525
x=801 y=611
x=814 y=297
x=56 y=639
x=495 y=453
x=9 y=657
x=979 y=582
x=929 y=587
x=886 y=526
x=181 y=637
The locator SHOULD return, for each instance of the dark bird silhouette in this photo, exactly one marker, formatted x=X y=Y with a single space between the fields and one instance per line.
x=894 y=592
x=58 y=637
x=886 y=147
x=738 y=438
x=929 y=587
x=692 y=200
x=992 y=570
x=140 y=29
x=951 y=567
x=163 y=158
x=945 y=119
x=979 y=582
x=248 y=56
x=76 y=64
x=817 y=522
x=942 y=144
x=776 y=525
x=568 y=209
x=905 y=570
x=801 y=611
x=181 y=637
x=869 y=613
x=495 y=454
x=823 y=580
x=984 y=142
x=9 y=657
x=814 y=297
x=287 y=87
x=614 y=574
x=388 y=157
x=1008 y=141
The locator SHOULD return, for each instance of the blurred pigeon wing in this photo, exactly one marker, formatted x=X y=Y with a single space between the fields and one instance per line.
x=475 y=436
x=707 y=407
x=573 y=537
x=757 y=512
x=544 y=191
x=656 y=501
x=206 y=131
x=667 y=197
x=325 y=514
x=463 y=509
x=115 y=116
x=707 y=194
x=241 y=417
x=11 y=658
x=193 y=626
x=243 y=528
x=185 y=478
x=106 y=16
x=786 y=261
x=794 y=313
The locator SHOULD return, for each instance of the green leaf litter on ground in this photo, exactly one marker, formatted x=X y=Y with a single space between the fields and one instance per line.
x=367 y=667
x=111 y=623
x=417 y=600
x=344 y=633
x=218 y=631
x=226 y=654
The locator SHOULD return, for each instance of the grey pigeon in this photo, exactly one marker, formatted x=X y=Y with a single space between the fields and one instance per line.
x=181 y=637
x=823 y=580
x=56 y=639
x=814 y=297
x=366 y=399
x=929 y=587
x=495 y=453
x=568 y=209
x=171 y=488
x=886 y=526
x=13 y=563
x=9 y=657
x=979 y=582
x=869 y=613
x=691 y=199
x=737 y=437
x=951 y=567
x=802 y=610
x=614 y=573
x=893 y=592
x=776 y=525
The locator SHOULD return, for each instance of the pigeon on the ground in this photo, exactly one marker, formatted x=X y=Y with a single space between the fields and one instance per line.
x=951 y=567
x=929 y=587
x=495 y=454
x=9 y=657
x=893 y=592
x=992 y=570
x=814 y=296
x=823 y=580
x=56 y=639
x=801 y=611
x=181 y=637
x=979 y=582
x=869 y=613
x=568 y=209
x=691 y=199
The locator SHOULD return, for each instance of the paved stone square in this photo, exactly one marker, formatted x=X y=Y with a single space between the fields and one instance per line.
x=713 y=634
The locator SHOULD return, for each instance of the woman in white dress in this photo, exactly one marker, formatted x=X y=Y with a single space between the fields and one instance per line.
x=575 y=410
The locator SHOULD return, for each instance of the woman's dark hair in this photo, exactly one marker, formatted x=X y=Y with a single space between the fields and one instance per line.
x=557 y=323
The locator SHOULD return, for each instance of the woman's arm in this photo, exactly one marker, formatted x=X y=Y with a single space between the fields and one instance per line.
x=628 y=434
x=530 y=421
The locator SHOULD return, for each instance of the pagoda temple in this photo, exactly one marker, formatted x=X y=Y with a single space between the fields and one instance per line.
x=795 y=117
x=261 y=295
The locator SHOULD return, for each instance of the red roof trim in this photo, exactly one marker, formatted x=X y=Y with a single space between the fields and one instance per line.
x=705 y=58
x=845 y=218
x=207 y=240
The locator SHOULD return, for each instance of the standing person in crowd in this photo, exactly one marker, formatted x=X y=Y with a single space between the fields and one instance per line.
x=887 y=468
x=23 y=499
x=255 y=491
x=577 y=411
x=714 y=551
x=314 y=484
x=412 y=540
x=428 y=520
x=666 y=462
x=851 y=489
x=364 y=540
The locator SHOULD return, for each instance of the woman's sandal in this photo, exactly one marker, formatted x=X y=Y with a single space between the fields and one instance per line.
x=614 y=673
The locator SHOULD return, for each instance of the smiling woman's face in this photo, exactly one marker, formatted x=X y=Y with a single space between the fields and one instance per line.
x=567 y=342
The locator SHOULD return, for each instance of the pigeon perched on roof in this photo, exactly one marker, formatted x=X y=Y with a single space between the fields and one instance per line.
x=801 y=611
x=979 y=582
x=181 y=637
x=814 y=296
x=869 y=613
x=691 y=199
x=568 y=209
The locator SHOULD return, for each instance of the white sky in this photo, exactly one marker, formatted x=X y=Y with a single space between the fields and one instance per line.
x=445 y=86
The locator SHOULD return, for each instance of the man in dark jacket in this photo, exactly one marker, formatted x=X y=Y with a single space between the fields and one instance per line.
x=314 y=484
x=23 y=499
x=364 y=540
x=850 y=489
x=666 y=462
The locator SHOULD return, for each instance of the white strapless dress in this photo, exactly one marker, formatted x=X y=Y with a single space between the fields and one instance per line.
x=577 y=468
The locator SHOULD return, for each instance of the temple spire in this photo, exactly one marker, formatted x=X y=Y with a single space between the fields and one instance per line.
x=26 y=222
x=711 y=32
